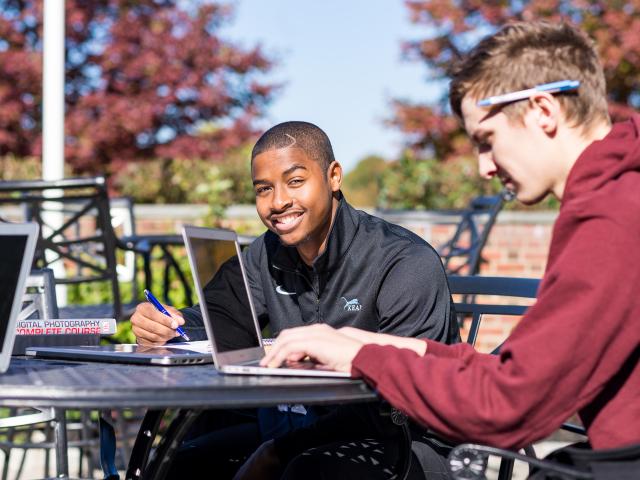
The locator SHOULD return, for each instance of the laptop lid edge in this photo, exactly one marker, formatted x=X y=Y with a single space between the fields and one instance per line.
x=30 y=230
x=234 y=356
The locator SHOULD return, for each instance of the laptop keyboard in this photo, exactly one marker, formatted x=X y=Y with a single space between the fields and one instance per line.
x=305 y=365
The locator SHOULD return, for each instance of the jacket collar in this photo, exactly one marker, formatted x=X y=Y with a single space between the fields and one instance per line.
x=342 y=233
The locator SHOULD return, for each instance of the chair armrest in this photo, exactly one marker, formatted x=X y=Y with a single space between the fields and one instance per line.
x=133 y=243
x=469 y=461
x=570 y=427
x=41 y=415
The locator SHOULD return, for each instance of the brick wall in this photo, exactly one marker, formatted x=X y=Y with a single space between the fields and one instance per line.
x=517 y=245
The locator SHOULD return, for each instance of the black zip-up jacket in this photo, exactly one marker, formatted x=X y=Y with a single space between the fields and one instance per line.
x=372 y=275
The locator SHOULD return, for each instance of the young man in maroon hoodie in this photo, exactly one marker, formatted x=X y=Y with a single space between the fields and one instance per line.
x=578 y=348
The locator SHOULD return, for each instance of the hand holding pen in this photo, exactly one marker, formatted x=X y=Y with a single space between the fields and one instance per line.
x=154 y=301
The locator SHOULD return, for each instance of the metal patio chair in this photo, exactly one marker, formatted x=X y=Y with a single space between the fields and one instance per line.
x=462 y=253
x=469 y=293
x=469 y=461
x=76 y=235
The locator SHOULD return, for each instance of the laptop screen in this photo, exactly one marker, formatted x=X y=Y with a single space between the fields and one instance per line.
x=219 y=274
x=12 y=250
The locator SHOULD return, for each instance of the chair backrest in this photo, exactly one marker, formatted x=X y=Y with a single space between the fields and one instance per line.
x=76 y=229
x=124 y=225
x=498 y=289
x=39 y=299
x=463 y=252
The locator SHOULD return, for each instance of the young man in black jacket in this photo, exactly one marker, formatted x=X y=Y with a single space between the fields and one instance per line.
x=321 y=261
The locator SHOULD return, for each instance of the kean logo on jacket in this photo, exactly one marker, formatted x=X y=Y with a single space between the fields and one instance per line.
x=352 y=305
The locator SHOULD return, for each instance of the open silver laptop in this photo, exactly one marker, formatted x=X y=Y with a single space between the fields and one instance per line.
x=168 y=355
x=17 y=245
x=227 y=309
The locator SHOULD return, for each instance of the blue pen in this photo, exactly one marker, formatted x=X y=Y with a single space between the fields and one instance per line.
x=553 y=87
x=154 y=301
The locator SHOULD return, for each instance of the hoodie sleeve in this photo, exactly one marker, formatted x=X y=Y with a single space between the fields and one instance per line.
x=581 y=333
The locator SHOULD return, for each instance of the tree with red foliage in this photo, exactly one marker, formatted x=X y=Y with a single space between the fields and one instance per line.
x=456 y=25
x=142 y=80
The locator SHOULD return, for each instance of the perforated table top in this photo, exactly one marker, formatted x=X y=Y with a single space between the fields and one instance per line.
x=35 y=382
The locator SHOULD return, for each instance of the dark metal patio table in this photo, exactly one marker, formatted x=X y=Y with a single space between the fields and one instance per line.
x=188 y=389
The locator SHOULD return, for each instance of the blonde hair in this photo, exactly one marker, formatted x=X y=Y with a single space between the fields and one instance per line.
x=525 y=54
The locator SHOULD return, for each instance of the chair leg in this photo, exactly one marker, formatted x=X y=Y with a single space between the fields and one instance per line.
x=507 y=464
x=22 y=464
x=124 y=450
x=80 y=461
x=87 y=451
x=529 y=451
x=5 y=467
x=506 y=469
x=47 y=462
x=403 y=465
x=143 y=443
x=7 y=452
x=160 y=463
x=47 y=452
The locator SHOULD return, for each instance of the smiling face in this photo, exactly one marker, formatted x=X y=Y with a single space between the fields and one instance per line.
x=296 y=199
x=520 y=152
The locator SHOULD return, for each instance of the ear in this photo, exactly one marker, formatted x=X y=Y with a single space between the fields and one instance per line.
x=334 y=176
x=546 y=112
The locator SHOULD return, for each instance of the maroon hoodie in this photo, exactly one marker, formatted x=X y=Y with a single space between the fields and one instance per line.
x=576 y=349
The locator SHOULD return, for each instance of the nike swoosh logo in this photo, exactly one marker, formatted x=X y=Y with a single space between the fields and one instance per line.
x=283 y=292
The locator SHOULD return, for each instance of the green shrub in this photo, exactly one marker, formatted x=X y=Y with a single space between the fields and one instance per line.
x=429 y=184
x=361 y=185
x=217 y=184
x=15 y=168
x=411 y=183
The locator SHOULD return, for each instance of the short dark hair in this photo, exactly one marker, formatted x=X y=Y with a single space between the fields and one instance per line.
x=303 y=135
x=524 y=54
